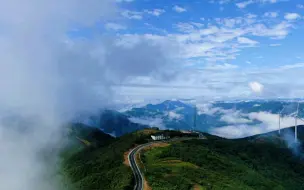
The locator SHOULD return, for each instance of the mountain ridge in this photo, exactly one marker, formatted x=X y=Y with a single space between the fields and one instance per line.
x=102 y=167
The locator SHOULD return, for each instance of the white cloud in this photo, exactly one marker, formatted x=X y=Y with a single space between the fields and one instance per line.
x=179 y=9
x=236 y=131
x=155 y=12
x=119 y=1
x=292 y=16
x=224 y=66
x=269 y=1
x=221 y=2
x=229 y=22
x=235 y=118
x=211 y=48
x=224 y=2
x=213 y=84
x=300 y=6
x=271 y=14
x=278 y=31
x=136 y=15
x=244 y=4
x=292 y=66
x=256 y=87
x=114 y=26
x=207 y=108
x=45 y=81
x=275 y=45
x=185 y=27
x=269 y=122
x=244 y=40
x=51 y=77
x=132 y=15
x=173 y=115
x=152 y=122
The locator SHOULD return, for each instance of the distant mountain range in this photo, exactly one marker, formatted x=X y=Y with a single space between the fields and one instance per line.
x=214 y=116
x=231 y=119
x=269 y=160
x=114 y=123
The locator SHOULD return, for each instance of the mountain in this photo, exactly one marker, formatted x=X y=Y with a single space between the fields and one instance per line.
x=88 y=135
x=102 y=167
x=264 y=161
x=112 y=122
x=239 y=118
x=174 y=114
x=223 y=164
x=259 y=162
x=214 y=117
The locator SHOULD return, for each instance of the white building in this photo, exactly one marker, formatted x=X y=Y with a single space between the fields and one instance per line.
x=201 y=136
x=159 y=137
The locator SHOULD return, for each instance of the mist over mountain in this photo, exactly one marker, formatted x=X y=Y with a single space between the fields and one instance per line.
x=230 y=119
x=113 y=123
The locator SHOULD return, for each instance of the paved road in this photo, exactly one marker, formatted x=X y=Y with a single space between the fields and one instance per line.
x=139 y=179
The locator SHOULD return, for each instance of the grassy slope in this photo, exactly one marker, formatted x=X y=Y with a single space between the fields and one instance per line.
x=252 y=163
x=223 y=164
x=101 y=167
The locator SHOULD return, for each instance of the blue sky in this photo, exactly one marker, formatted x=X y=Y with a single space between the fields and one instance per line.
x=216 y=48
x=161 y=49
x=205 y=13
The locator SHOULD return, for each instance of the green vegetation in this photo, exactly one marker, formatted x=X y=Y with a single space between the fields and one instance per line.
x=223 y=164
x=100 y=166
x=95 y=161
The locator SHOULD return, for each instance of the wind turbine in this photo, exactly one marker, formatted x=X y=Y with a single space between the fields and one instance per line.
x=194 y=118
x=280 y=120
x=296 y=123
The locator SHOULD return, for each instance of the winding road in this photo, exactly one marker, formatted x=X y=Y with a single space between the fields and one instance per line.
x=139 y=179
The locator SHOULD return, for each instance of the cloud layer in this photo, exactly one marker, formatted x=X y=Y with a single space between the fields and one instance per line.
x=49 y=74
x=215 y=54
x=269 y=122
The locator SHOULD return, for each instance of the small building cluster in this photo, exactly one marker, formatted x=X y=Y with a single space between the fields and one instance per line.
x=194 y=133
x=185 y=131
x=167 y=134
x=201 y=136
x=159 y=136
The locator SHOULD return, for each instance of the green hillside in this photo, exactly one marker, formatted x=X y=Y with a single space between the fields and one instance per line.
x=101 y=166
x=218 y=163
x=259 y=162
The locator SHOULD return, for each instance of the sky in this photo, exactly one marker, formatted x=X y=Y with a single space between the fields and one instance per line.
x=208 y=48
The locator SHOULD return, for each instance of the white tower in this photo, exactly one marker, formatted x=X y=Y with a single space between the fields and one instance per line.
x=280 y=120
x=296 y=123
x=194 y=118
x=279 y=123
